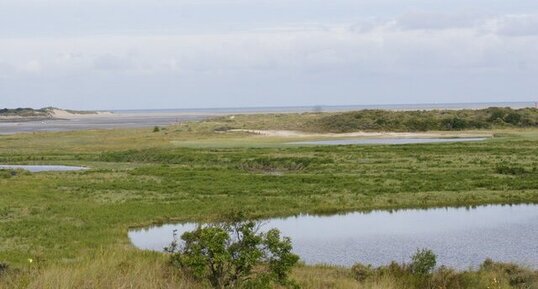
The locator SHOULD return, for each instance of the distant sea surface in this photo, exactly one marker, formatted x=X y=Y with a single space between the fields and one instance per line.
x=334 y=108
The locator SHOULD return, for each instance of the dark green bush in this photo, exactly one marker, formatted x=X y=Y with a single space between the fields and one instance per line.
x=8 y=173
x=275 y=164
x=423 y=262
x=3 y=268
x=362 y=272
x=445 y=120
x=510 y=170
x=235 y=255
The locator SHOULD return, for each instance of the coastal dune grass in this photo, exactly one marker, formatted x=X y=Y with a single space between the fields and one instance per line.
x=125 y=268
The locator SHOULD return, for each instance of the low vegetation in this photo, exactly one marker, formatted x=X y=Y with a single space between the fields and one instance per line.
x=73 y=225
x=235 y=255
x=8 y=173
x=24 y=114
x=383 y=120
x=490 y=275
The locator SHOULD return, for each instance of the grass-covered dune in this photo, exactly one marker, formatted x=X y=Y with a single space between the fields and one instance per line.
x=24 y=112
x=384 y=120
x=28 y=114
x=69 y=229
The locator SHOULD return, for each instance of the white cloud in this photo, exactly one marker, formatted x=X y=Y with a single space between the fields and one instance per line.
x=518 y=25
x=331 y=49
x=436 y=20
x=384 y=47
x=113 y=63
x=6 y=69
x=31 y=66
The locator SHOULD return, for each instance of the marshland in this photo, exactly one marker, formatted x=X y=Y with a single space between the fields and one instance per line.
x=69 y=229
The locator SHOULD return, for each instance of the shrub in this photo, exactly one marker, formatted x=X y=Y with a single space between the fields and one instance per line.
x=8 y=173
x=510 y=170
x=444 y=278
x=362 y=272
x=235 y=255
x=272 y=165
x=423 y=262
x=517 y=276
x=513 y=118
x=156 y=129
x=3 y=268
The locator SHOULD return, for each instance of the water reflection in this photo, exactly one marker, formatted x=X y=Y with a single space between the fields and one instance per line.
x=461 y=237
x=43 y=168
x=387 y=141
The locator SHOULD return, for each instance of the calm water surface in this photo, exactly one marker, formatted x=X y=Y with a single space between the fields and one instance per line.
x=460 y=237
x=37 y=168
x=387 y=141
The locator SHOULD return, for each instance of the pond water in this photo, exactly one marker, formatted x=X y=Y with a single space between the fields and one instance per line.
x=460 y=237
x=387 y=141
x=44 y=168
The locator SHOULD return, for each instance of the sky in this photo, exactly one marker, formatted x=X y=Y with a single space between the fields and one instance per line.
x=148 y=54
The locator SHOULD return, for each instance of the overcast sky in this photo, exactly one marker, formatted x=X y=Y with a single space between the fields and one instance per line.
x=112 y=54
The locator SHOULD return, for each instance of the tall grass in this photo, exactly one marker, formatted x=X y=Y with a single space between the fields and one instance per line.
x=118 y=269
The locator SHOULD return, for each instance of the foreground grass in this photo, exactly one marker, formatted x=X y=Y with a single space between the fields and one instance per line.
x=74 y=225
x=129 y=269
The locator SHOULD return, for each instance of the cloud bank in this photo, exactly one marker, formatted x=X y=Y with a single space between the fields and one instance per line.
x=410 y=55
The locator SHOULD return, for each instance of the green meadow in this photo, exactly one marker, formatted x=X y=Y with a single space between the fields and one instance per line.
x=69 y=229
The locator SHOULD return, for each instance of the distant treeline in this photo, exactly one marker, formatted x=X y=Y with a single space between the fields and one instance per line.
x=442 y=120
x=42 y=112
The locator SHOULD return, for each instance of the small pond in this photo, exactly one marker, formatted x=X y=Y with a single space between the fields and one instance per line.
x=387 y=141
x=44 y=168
x=460 y=237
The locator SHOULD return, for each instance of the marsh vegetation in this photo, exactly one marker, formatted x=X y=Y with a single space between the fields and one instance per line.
x=73 y=225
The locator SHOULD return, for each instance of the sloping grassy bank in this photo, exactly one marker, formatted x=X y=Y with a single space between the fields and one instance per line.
x=383 y=120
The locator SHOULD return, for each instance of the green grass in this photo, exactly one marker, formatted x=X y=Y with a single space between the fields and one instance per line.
x=138 y=177
x=384 y=120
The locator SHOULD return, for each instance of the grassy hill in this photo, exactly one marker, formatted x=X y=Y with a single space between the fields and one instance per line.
x=384 y=120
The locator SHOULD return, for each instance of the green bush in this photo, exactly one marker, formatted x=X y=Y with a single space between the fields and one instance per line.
x=510 y=170
x=3 y=268
x=490 y=275
x=423 y=262
x=517 y=277
x=362 y=272
x=290 y=164
x=445 y=120
x=8 y=173
x=235 y=255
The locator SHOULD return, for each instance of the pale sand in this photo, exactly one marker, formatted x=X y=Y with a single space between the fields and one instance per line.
x=63 y=114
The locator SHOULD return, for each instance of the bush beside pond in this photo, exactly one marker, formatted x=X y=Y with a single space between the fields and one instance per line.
x=490 y=275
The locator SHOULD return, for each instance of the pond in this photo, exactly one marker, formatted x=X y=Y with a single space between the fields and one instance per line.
x=461 y=237
x=42 y=168
x=387 y=141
